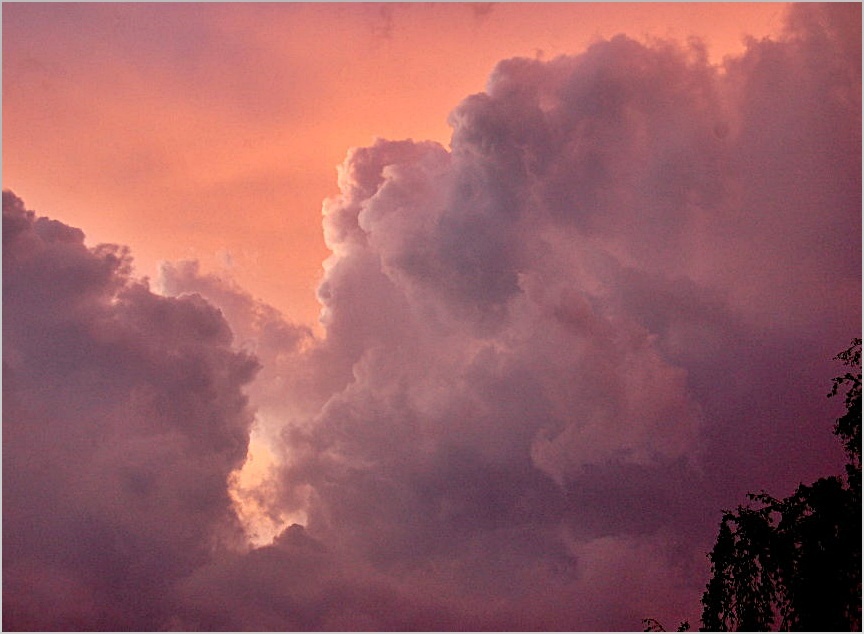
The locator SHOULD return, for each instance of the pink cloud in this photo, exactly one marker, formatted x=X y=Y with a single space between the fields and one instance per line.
x=122 y=417
x=553 y=353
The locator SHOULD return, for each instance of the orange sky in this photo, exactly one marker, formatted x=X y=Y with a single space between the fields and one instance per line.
x=212 y=131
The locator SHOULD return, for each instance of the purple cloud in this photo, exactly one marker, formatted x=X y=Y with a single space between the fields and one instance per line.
x=123 y=416
x=553 y=354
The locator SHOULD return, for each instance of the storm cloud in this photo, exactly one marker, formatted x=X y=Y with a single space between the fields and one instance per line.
x=123 y=416
x=553 y=353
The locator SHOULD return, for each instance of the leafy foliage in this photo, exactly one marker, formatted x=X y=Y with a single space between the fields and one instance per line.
x=795 y=563
x=848 y=426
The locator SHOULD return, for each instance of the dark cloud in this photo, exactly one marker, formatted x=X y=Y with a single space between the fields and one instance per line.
x=553 y=354
x=600 y=318
x=122 y=418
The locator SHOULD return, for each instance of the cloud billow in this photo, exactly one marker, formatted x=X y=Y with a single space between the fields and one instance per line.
x=564 y=326
x=553 y=353
x=123 y=416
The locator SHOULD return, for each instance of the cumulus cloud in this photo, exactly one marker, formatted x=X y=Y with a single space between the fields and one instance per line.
x=284 y=393
x=123 y=416
x=553 y=353
x=603 y=314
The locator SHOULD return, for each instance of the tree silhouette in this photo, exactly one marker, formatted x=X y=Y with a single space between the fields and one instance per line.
x=795 y=563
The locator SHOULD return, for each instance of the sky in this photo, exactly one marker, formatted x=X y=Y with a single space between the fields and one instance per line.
x=238 y=114
x=415 y=317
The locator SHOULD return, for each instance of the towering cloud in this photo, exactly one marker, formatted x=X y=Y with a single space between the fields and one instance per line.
x=553 y=353
x=123 y=417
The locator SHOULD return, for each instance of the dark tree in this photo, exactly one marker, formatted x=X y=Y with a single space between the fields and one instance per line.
x=795 y=563
x=848 y=426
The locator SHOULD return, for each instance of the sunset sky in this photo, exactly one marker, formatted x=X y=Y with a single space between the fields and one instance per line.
x=456 y=316
x=234 y=116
